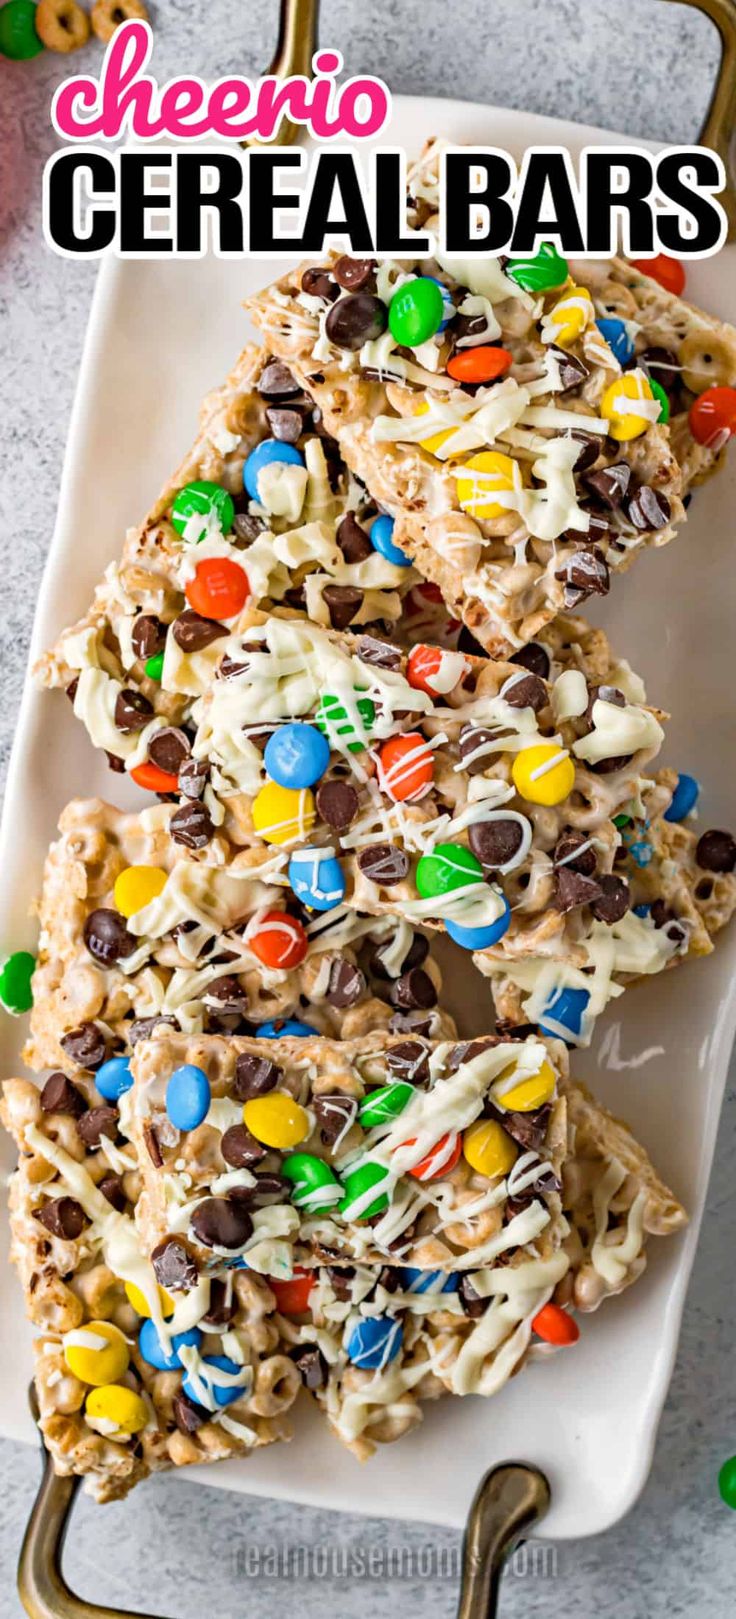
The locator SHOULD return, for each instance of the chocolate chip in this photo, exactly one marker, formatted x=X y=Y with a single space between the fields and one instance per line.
x=414 y=990
x=409 y=1059
x=240 y=1149
x=85 y=1046
x=269 y=1188
x=477 y=744
x=98 y=1122
x=464 y=326
x=148 y=636
x=142 y=1027
x=384 y=863
x=318 y=284
x=221 y=1222
x=528 y=1130
x=153 y=1145
x=598 y=531
x=254 y=1076
x=192 y=825
x=70 y=691
x=193 y=776
x=614 y=899
x=573 y=889
x=219 y=1311
x=346 y=984
x=173 y=1265
x=609 y=484
x=337 y=803
x=568 y=845
x=473 y=1304
x=416 y=1022
x=415 y=956
x=590 y=449
x=572 y=370
x=467 y=1050
x=114 y=763
x=525 y=691
x=193 y=633
x=352 y=539
x=342 y=603
x=60 y=1095
x=355 y=275
x=356 y=320
x=247 y=528
x=188 y=1416
x=335 y=1113
x=648 y=508
x=227 y=994
x=286 y=426
x=716 y=851
x=341 y=1278
x=63 y=1217
x=585 y=574
x=662 y=365
x=533 y=657
x=107 y=937
x=132 y=711
x=606 y=694
x=494 y=843
x=277 y=382
x=311 y=1365
x=380 y=653
x=111 y=1187
x=168 y=748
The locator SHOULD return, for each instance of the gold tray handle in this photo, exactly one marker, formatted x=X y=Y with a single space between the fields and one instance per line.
x=507 y=1503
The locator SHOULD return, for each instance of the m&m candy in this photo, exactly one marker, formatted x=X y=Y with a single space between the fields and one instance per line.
x=434 y=441
x=279 y=940
x=96 y=1353
x=270 y=452
x=136 y=887
x=277 y=1120
x=154 y=779
x=381 y=538
x=488 y=1149
x=564 y=1013
x=223 y=1390
x=428 y=1281
x=727 y=1482
x=528 y=1094
x=664 y=404
x=114 y=1078
x=296 y=755
x=712 y=417
x=154 y=666
x=358 y=1184
x=684 y=798
x=285 y=1028
x=283 y=814
x=15 y=982
x=546 y=269
x=116 y=1408
x=384 y=1104
x=435 y=670
x=349 y=723
x=416 y=311
x=569 y=318
x=618 y=406
x=482 y=364
x=219 y=589
x=374 y=1342
x=154 y=1353
x=188 y=1096
x=617 y=337
x=317 y=878
x=481 y=478
x=484 y=935
x=292 y=1295
x=18 y=38
x=450 y=866
x=141 y=1305
x=315 y=1186
x=201 y=507
x=441 y=1158
x=448 y=308
x=406 y=767
x=667 y=271
x=555 y=1326
x=543 y=774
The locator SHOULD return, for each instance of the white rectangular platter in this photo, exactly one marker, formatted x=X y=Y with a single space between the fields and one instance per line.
x=160 y=335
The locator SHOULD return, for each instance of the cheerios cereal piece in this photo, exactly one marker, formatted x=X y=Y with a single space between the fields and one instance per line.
x=107 y=15
x=62 y=25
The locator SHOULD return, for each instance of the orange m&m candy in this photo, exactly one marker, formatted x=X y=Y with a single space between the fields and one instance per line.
x=483 y=364
x=292 y=1297
x=219 y=589
x=279 y=940
x=435 y=669
x=441 y=1158
x=555 y=1326
x=406 y=767
x=668 y=272
x=712 y=417
x=155 y=779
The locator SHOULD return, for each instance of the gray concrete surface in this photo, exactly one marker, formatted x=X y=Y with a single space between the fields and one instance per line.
x=634 y=65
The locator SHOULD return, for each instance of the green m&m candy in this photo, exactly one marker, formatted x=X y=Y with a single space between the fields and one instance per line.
x=315 y=1185
x=727 y=1482
x=416 y=312
x=449 y=866
x=15 y=982
x=208 y=501
x=621 y=821
x=18 y=38
x=357 y=1185
x=154 y=666
x=659 y=393
x=384 y=1104
x=547 y=269
x=334 y=721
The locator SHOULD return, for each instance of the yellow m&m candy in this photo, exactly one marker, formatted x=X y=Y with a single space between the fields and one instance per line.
x=625 y=421
x=569 y=317
x=488 y=1148
x=136 y=887
x=96 y=1353
x=276 y=1120
x=487 y=474
x=544 y=774
x=116 y=1410
x=140 y=1302
x=283 y=814
x=435 y=441
x=529 y=1094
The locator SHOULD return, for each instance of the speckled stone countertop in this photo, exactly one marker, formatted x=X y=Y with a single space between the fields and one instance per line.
x=638 y=66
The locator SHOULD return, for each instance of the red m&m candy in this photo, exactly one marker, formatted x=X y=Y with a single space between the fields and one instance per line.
x=219 y=589
x=668 y=272
x=156 y=780
x=406 y=767
x=712 y=417
x=555 y=1326
x=441 y=1158
x=482 y=364
x=279 y=940
x=292 y=1297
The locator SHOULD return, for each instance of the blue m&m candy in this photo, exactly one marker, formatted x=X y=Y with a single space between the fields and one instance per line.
x=264 y=455
x=188 y=1096
x=375 y=1342
x=114 y=1078
x=641 y=911
x=381 y=538
x=448 y=308
x=428 y=1281
x=684 y=798
x=481 y=938
x=296 y=755
x=281 y=1028
x=152 y=1349
x=223 y=1394
x=563 y=1015
x=317 y=879
x=618 y=340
